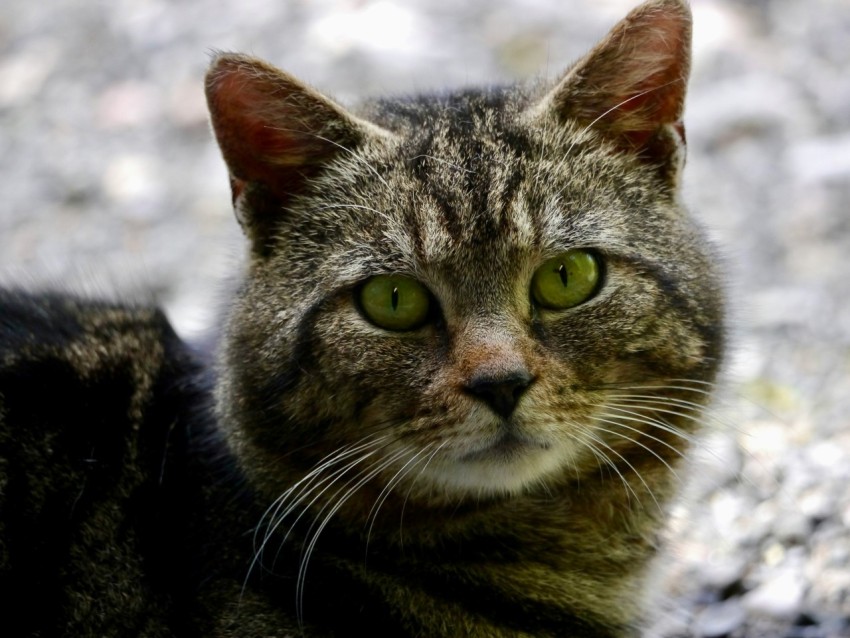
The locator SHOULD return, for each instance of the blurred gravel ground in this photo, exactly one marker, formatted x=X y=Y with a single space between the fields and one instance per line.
x=111 y=182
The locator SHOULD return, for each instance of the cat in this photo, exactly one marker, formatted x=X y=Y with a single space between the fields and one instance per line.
x=474 y=339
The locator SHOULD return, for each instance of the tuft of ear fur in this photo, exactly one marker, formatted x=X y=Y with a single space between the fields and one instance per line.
x=276 y=134
x=631 y=86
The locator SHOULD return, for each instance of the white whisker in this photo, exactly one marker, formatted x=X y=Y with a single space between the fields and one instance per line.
x=412 y=483
x=636 y=442
x=307 y=484
x=631 y=467
x=608 y=462
x=635 y=416
x=362 y=478
x=394 y=480
x=659 y=400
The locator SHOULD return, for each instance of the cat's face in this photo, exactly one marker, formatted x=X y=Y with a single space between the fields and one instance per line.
x=474 y=294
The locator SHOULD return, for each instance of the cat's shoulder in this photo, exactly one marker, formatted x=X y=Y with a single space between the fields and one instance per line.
x=45 y=321
x=87 y=381
x=96 y=399
x=87 y=337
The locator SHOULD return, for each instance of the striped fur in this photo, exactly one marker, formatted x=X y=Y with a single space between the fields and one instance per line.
x=329 y=477
x=372 y=454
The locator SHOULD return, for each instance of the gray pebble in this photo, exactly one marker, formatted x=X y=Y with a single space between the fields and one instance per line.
x=719 y=620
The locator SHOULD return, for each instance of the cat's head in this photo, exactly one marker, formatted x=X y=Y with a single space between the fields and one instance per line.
x=472 y=293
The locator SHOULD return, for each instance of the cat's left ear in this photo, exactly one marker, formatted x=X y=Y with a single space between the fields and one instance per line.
x=631 y=86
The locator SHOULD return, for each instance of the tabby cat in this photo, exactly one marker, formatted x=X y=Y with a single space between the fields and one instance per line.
x=473 y=341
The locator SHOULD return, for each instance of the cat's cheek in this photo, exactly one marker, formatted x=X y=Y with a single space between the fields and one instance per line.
x=669 y=348
x=375 y=377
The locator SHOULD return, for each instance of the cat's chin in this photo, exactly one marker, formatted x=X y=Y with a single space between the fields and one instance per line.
x=504 y=466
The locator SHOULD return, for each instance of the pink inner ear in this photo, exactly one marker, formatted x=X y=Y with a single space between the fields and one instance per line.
x=653 y=52
x=633 y=82
x=666 y=87
x=273 y=130
x=251 y=121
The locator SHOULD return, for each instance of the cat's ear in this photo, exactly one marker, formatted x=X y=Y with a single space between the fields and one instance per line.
x=631 y=86
x=275 y=134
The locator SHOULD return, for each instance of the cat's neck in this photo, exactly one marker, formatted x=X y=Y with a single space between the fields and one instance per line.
x=546 y=554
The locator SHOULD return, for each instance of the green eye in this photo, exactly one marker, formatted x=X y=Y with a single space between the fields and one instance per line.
x=394 y=302
x=566 y=280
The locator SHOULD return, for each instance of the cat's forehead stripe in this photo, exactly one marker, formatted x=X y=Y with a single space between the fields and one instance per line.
x=469 y=183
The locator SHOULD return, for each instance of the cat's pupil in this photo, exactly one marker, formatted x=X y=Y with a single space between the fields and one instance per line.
x=394 y=300
x=562 y=271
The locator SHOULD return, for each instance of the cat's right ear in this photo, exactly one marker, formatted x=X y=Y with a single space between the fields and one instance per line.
x=276 y=134
x=631 y=87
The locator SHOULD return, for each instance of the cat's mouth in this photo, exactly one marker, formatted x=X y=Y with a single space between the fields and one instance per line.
x=507 y=446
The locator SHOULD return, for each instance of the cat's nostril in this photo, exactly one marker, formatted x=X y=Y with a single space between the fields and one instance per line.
x=501 y=391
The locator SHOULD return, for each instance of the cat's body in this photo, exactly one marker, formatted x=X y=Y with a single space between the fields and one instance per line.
x=473 y=342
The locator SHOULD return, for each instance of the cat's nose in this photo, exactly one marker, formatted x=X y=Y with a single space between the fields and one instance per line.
x=501 y=391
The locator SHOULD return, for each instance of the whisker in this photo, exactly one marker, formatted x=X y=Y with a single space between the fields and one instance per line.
x=330 y=459
x=639 y=417
x=329 y=481
x=364 y=477
x=687 y=412
x=630 y=466
x=410 y=489
x=658 y=388
x=661 y=400
x=607 y=461
x=309 y=486
x=635 y=441
x=394 y=480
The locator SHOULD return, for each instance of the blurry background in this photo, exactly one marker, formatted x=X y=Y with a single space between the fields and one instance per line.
x=111 y=181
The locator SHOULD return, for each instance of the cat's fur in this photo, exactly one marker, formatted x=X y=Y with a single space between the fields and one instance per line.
x=332 y=477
